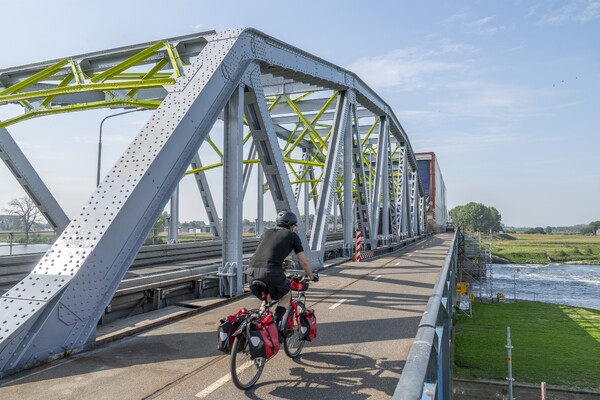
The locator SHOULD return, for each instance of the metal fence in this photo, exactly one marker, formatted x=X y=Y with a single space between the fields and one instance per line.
x=428 y=370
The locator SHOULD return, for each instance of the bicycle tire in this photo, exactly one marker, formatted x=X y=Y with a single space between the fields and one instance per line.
x=244 y=370
x=292 y=345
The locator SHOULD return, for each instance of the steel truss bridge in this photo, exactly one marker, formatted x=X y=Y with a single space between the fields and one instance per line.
x=323 y=142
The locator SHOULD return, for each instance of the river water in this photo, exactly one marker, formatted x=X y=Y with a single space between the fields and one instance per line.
x=5 y=248
x=574 y=285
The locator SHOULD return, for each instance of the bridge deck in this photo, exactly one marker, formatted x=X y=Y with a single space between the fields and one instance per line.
x=367 y=315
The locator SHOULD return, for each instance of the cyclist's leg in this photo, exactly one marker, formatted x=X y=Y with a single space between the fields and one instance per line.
x=282 y=311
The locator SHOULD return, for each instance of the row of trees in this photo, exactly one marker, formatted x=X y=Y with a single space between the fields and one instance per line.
x=539 y=230
x=476 y=217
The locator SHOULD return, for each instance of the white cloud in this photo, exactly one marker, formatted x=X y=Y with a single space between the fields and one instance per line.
x=480 y=99
x=484 y=26
x=482 y=21
x=455 y=18
x=409 y=69
x=581 y=11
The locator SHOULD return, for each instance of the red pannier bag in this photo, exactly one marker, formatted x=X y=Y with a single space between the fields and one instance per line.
x=264 y=338
x=227 y=328
x=298 y=285
x=308 y=325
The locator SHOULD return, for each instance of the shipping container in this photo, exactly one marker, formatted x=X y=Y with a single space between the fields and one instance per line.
x=435 y=191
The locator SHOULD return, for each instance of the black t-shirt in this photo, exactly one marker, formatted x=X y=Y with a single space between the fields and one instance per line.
x=276 y=244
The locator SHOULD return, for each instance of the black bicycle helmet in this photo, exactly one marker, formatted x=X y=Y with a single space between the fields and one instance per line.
x=286 y=219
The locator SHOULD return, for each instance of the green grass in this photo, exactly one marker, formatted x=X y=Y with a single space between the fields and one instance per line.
x=543 y=249
x=552 y=343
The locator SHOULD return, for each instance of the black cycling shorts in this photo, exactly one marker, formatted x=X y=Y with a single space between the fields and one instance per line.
x=276 y=281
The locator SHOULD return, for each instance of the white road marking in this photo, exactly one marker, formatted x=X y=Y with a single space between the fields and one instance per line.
x=377 y=277
x=206 y=392
x=220 y=382
x=336 y=305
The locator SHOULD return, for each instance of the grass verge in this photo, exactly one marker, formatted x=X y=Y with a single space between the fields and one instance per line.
x=552 y=343
x=543 y=249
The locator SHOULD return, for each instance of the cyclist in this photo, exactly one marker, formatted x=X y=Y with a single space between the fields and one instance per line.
x=267 y=262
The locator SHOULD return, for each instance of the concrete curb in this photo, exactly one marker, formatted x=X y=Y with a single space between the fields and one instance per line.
x=530 y=388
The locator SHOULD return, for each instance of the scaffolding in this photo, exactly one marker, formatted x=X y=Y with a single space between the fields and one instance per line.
x=474 y=269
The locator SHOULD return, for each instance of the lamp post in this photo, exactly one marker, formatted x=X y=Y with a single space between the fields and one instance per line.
x=100 y=140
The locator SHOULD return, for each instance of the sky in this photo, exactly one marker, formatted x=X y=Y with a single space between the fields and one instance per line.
x=506 y=93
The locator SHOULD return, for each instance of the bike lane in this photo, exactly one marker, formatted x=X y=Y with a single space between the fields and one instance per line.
x=367 y=316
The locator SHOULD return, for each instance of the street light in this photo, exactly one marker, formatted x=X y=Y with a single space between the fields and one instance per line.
x=100 y=140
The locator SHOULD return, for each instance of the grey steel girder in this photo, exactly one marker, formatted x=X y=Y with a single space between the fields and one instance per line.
x=233 y=185
x=348 y=195
x=363 y=207
x=31 y=182
x=56 y=308
x=207 y=199
x=329 y=183
x=248 y=169
x=174 y=217
x=271 y=157
x=382 y=159
x=93 y=253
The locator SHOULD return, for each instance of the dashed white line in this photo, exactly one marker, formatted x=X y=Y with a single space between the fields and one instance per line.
x=206 y=392
x=220 y=382
x=336 y=305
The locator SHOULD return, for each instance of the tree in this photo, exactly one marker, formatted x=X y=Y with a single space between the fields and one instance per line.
x=159 y=226
x=476 y=217
x=591 y=228
x=548 y=230
x=27 y=211
x=539 y=230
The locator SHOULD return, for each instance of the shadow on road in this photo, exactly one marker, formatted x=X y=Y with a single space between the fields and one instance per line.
x=335 y=375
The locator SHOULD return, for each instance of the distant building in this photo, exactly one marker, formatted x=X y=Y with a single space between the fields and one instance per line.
x=435 y=191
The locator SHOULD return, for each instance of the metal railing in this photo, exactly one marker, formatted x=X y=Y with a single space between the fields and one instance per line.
x=427 y=373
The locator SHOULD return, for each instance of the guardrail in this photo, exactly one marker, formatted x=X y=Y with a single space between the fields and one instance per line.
x=427 y=373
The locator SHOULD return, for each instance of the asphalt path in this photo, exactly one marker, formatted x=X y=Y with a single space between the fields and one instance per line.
x=367 y=315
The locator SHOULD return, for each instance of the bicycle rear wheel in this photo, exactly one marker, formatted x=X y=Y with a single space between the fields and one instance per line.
x=291 y=339
x=244 y=370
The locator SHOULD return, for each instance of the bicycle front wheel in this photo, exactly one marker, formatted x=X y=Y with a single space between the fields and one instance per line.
x=291 y=339
x=245 y=371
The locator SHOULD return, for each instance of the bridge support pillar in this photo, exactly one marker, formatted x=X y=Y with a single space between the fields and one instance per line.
x=232 y=270
x=348 y=214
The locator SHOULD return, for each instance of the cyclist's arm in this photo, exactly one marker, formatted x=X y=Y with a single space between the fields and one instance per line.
x=305 y=264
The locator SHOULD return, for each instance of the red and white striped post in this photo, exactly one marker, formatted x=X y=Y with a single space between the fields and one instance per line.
x=358 y=244
x=543 y=390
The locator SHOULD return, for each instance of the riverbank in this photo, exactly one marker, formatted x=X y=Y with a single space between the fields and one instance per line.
x=517 y=248
x=552 y=343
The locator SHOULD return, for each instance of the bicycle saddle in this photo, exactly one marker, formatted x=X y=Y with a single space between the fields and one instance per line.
x=259 y=289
